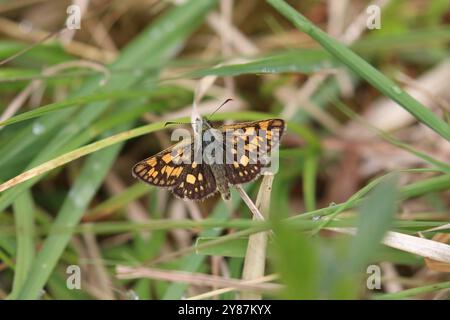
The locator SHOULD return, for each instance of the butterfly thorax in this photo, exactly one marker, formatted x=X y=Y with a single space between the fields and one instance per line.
x=212 y=139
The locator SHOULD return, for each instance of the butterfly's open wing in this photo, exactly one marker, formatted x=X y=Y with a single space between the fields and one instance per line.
x=249 y=144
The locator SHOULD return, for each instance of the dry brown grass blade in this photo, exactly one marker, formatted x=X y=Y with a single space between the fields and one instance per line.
x=249 y=203
x=36 y=84
x=124 y=272
x=255 y=257
x=438 y=265
x=102 y=281
x=213 y=293
x=13 y=30
x=423 y=247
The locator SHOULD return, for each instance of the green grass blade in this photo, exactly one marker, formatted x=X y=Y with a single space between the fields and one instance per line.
x=309 y=182
x=84 y=188
x=74 y=102
x=375 y=218
x=425 y=186
x=413 y=292
x=234 y=248
x=24 y=219
x=297 y=262
x=364 y=69
x=120 y=200
x=304 y=61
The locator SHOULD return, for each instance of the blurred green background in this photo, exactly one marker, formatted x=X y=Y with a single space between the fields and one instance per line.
x=366 y=149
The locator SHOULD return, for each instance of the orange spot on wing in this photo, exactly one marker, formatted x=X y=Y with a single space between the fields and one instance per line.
x=167 y=158
x=263 y=125
x=151 y=162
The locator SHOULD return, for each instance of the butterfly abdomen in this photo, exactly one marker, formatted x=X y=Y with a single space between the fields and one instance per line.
x=214 y=142
x=219 y=173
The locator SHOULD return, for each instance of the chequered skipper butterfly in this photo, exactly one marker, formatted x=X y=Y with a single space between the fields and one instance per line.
x=242 y=154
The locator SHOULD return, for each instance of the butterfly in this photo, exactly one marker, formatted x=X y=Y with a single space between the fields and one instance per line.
x=238 y=153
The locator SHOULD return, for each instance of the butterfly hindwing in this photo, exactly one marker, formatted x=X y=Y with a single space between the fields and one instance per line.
x=196 y=183
x=238 y=173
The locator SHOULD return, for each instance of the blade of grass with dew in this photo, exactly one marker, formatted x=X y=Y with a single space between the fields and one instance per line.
x=89 y=180
x=356 y=197
x=375 y=219
x=313 y=60
x=364 y=69
x=24 y=220
x=153 y=46
x=111 y=228
x=304 y=61
x=125 y=113
x=412 y=292
x=416 y=189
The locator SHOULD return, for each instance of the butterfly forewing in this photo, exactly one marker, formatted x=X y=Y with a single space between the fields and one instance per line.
x=166 y=168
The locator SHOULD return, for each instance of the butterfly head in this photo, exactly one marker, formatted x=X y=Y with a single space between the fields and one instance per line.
x=207 y=124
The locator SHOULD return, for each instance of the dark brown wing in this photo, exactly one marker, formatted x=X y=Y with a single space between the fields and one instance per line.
x=175 y=168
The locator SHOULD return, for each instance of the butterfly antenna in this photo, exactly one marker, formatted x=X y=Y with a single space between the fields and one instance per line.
x=225 y=102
